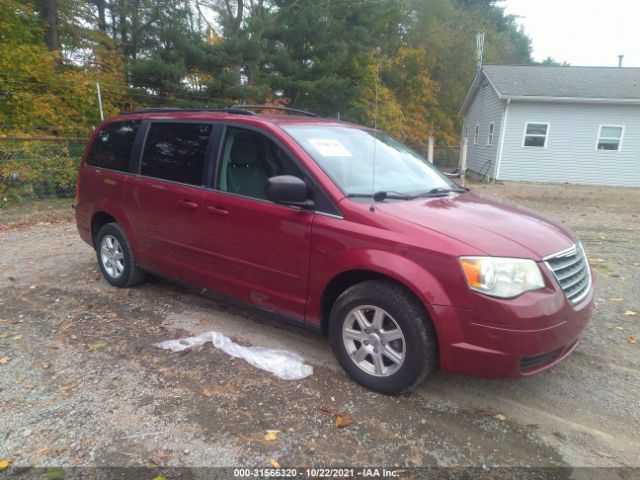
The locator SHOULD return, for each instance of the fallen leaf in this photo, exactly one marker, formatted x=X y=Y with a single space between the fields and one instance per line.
x=160 y=477
x=4 y=360
x=330 y=410
x=46 y=365
x=500 y=416
x=631 y=339
x=488 y=411
x=630 y=313
x=343 y=420
x=71 y=386
x=4 y=464
x=597 y=260
x=603 y=454
x=41 y=450
x=17 y=337
x=92 y=347
x=157 y=460
x=274 y=463
x=207 y=392
x=271 y=435
x=616 y=299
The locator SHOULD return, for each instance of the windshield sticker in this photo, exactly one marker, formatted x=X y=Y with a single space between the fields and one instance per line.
x=328 y=147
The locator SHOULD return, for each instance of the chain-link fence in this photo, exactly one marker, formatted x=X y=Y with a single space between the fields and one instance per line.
x=45 y=167
x=446 y=157
x=36 y=168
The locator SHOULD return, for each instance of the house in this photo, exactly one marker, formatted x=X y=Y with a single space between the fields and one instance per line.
x=554 y=124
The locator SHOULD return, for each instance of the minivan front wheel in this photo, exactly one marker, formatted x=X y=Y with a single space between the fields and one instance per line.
x=115 y=257
x=382 y=337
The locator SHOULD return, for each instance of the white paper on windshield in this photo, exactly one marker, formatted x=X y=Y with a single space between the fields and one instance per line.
x=328 y=147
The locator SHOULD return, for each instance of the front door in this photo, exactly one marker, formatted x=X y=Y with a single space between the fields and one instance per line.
x=257 y=251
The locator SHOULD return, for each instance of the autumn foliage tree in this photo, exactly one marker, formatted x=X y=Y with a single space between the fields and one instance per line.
x=403 y=65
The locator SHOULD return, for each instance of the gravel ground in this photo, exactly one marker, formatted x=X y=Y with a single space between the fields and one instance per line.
x=81 y=384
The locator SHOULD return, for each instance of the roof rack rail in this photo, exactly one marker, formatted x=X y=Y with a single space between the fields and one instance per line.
x=275 y=107
x=233 y=109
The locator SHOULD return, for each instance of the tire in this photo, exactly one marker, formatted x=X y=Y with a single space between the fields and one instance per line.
x=402 y=361
x=115 y=257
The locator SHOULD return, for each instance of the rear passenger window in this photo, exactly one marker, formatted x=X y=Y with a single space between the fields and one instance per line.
x=112 y=147
x=176 y=152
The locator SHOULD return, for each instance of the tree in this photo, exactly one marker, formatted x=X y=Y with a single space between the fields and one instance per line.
x=37 y=91
x=48 y=12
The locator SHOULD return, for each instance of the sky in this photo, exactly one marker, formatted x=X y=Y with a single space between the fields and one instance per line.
x=581 y=32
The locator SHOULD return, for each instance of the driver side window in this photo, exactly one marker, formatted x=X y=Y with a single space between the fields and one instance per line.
x=248 y=160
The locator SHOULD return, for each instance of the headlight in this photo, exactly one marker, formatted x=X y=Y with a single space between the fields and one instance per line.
x=501 y=277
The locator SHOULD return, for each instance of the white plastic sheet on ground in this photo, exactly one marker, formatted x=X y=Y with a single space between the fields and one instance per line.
x=286 y=365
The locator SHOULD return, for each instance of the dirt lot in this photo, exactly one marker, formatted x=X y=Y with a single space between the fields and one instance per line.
x=81 y=384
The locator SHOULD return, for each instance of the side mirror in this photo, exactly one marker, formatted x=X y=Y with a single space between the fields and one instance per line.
x=289 y=190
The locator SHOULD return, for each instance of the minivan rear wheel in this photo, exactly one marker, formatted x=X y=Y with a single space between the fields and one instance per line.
x=382 y=336
x=115 y=257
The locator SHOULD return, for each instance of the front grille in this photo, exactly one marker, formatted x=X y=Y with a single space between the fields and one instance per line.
x=571 y=270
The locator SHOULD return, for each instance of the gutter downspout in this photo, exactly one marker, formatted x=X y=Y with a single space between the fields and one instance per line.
x=503 y=126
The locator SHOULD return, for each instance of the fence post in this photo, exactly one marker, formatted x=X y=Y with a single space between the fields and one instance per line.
x=430 y=150
x=99 y=101
x=463 y=160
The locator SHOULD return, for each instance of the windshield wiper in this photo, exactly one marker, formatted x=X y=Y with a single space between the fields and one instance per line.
x=382 y=195
x=439 y=191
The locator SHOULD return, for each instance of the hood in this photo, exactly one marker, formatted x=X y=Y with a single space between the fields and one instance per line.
x=495 y=226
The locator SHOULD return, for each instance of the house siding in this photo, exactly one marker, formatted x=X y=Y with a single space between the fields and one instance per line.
x=486 y=108
x=571 y=155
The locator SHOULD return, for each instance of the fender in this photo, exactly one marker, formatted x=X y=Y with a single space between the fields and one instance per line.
x=107 y=205
x=413 y=276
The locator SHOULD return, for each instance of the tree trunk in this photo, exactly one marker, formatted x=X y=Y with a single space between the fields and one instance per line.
x=114 y=22
x=102 y=18
x=48 y=10
x=135 y=30
x=123 y=23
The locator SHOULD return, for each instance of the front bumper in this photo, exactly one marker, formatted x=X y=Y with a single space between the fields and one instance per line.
x=510 y=338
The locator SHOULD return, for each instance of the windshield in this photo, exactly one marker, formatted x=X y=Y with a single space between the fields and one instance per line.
x=346 y=154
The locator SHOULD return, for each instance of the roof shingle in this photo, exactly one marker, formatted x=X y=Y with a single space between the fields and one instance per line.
x=564 y=82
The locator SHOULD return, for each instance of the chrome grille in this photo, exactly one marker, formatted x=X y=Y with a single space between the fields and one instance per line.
x=571 y=269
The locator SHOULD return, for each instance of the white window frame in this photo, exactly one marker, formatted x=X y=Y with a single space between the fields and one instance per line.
x=490 y=133
x=476 y=135
x=546 y=137
x=599 y=137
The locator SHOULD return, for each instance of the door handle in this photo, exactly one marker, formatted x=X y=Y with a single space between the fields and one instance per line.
x=218 y=210
x=188 y=204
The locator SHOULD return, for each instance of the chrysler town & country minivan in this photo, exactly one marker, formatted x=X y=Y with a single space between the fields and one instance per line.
x=339 y=228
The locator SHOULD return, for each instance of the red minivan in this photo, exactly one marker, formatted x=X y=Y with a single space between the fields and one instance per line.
x=341 y=229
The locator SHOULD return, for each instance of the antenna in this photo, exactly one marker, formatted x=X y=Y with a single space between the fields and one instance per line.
x=620 y=57
x=375 y=132
x=479 y=51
